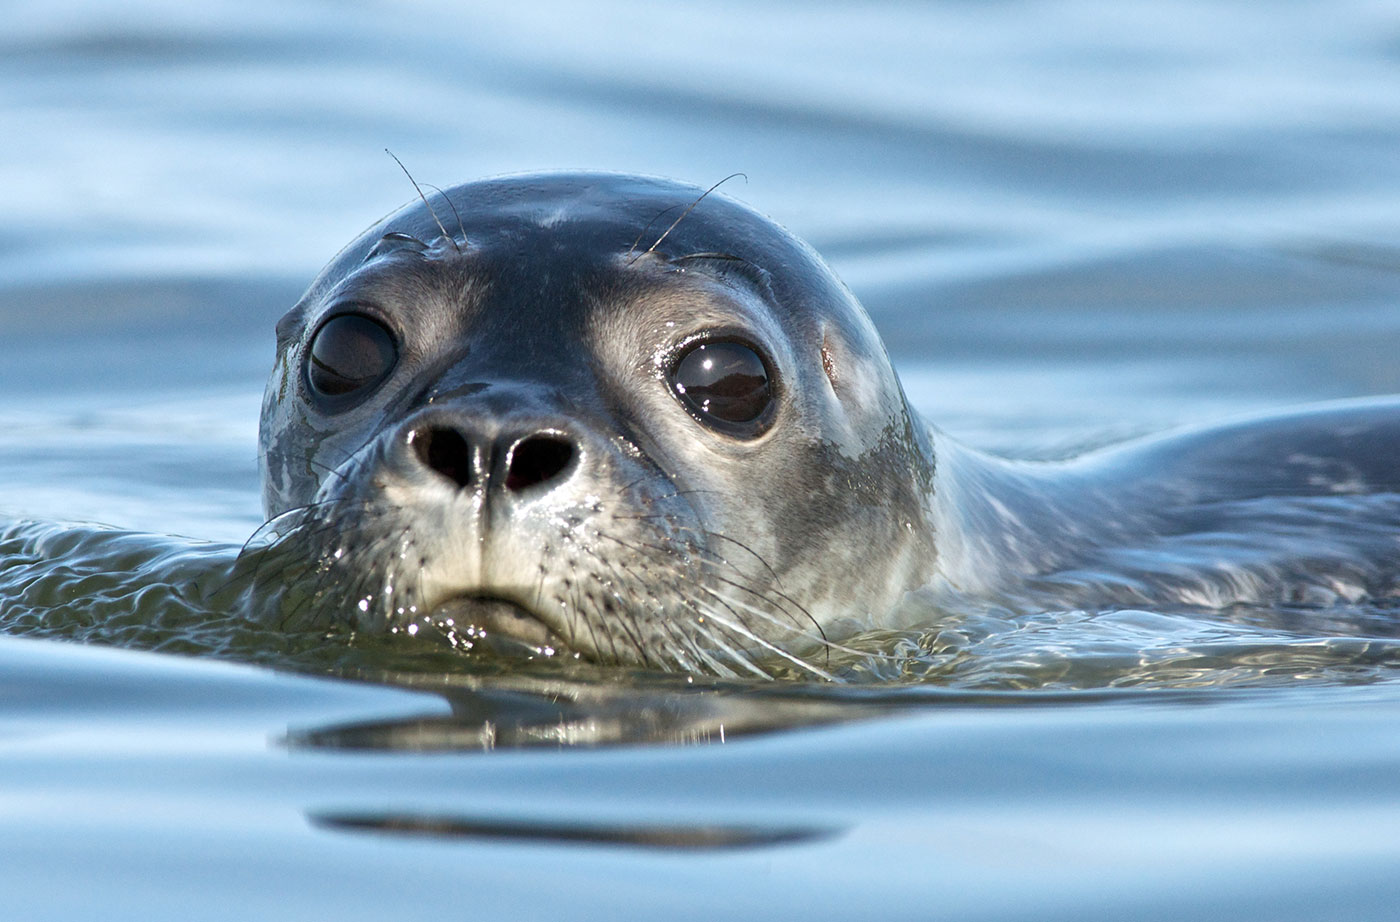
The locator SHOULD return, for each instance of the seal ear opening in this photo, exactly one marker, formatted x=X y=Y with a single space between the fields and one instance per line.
x=855 y=380
x=829 y=361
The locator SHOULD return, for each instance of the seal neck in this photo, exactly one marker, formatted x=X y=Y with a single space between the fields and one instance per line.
x=998 y=522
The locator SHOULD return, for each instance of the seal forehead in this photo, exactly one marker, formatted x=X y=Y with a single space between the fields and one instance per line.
x=589 y=212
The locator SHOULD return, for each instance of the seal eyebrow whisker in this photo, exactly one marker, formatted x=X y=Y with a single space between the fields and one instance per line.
x=461 y=227
x=691 y=207
x=633 y=248
x=436 y=219
x=746 y=267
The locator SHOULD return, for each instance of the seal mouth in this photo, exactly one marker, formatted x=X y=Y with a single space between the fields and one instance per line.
x=499 y=624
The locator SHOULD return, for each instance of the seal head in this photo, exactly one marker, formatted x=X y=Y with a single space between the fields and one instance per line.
x=533 y=410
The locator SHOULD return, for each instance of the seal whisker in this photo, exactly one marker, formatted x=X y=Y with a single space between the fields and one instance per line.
x=587 y=614
x=622 y=613
x=685 y=640
x=297 y=518
x=656 y=217
x=314 y=463
x=688 y=641
x=461 y=227
x=679 y=493
x=709 y=615
x=573 y=617
x=713 y=636
x=691 y=207
x=763 y=613
x=331 y=563
x=700 y=629
x=744 y=632
x=325 y=572
x=751 y=552
x=424 y=198
x=624 y=618
x=778 y=595
x=732 y=583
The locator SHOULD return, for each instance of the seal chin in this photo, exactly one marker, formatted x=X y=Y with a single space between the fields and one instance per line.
x=500 y=624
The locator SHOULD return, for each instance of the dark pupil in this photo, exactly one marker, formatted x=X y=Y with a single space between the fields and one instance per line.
x=725 y=380
x=349 y=352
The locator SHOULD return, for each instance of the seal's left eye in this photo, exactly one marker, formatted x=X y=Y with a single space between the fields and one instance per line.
x=349 y=353
x=723 y=384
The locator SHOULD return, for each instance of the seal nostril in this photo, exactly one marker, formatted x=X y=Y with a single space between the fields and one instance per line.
x=536 y=460
x=445 y=451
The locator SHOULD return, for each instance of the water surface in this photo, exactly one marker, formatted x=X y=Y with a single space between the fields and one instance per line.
x=1074 y=222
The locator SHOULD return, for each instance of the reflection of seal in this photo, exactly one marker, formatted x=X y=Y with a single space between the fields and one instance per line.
x=543 y=417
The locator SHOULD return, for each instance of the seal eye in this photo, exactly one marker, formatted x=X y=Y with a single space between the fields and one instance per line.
x=349 y=353
x=723 y=383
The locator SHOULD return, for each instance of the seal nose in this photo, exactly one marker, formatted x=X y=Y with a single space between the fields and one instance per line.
x=519 y=463
x=537 y=460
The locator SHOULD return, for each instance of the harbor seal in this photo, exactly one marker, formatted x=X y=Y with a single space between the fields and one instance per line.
x=611 y=416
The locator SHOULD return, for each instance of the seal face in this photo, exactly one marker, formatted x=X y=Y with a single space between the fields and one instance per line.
x=541 y=425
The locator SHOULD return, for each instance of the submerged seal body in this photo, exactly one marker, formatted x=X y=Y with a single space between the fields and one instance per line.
x=607 y=414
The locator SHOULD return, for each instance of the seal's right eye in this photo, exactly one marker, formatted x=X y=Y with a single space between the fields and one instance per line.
x=349 y=354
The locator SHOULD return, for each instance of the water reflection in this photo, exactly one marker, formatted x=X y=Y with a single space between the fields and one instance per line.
x=655 y=837
x=614 y=708
x=525 y=712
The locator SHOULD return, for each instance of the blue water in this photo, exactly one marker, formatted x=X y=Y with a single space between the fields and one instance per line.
x=1073 y=223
